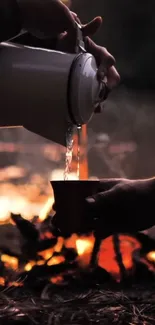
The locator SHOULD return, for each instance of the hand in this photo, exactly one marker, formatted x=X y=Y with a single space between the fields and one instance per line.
x=105 y=61
x=51 y=18
x=45 y=18
x=66 y=41
x=123 y=206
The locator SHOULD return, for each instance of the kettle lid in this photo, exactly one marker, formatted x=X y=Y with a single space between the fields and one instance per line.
x=84 y=89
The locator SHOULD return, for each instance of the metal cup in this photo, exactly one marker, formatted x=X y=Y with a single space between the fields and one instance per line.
x=72 y=211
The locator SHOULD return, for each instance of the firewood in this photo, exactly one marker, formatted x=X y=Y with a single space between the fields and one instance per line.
x=26 y=228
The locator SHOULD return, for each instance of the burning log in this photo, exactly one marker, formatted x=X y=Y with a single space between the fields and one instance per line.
x=45 y=244
x=95 y=251
x=79 y=260
x=26 y=228
x=43 y=273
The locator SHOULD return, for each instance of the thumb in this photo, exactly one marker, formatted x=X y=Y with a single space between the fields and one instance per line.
x=101 y=202
x=100 y=206
x=92 y=27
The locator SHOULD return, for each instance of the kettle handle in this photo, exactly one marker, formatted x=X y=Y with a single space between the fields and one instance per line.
x=80 y=45
x=80 y=48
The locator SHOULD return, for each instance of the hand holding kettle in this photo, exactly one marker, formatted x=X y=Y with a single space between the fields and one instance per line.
x=45 y=19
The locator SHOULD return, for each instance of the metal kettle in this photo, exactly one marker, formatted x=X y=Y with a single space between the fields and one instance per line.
x=36 y=79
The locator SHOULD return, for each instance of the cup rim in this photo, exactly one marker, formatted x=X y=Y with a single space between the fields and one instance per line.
x=75 y=181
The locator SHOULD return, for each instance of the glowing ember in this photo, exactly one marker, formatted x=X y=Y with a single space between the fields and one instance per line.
x=57 y=279
x=151 y=256
x=28 y=267
x=2 y=281
x=11 y=262
x=47 y=253
x=41 y=262
x=46 y=235
x=58 y=246
x=71 y=242
x=15 y=284
x=56 y=260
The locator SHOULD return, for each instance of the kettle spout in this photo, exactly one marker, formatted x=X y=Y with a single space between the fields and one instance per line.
x=60 y=133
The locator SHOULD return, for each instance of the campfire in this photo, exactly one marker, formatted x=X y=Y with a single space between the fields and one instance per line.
x=31 y=253
x=43 y=258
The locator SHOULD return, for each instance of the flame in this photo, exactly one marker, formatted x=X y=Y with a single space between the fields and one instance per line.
x=41 y=262
x=28 y=267
x=56 y=260
x=59 y=245
x=47 y=209
x=2 y=281
x=84 y=248
x=107 y=257
x=46 y=254
x=71 y=242
x=22 y=199
x=11 y=262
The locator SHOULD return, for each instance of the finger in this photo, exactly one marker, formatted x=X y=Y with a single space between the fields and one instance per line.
x=107 y=184
x=101 y=202
x=113 y=77
x=74 y=15
x=92 y=27
x=68 y=18
x=103 y=58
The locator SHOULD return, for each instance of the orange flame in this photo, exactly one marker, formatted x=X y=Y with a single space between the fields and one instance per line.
x=84 y=248
x=2 y=281
x=56 y=260
x=107 y=257
x=10 y=262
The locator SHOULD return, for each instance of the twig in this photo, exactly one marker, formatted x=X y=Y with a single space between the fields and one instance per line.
x=116 y=243
x=95 y=251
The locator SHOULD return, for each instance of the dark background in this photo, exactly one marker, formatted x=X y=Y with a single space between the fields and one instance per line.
x=128 y=32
